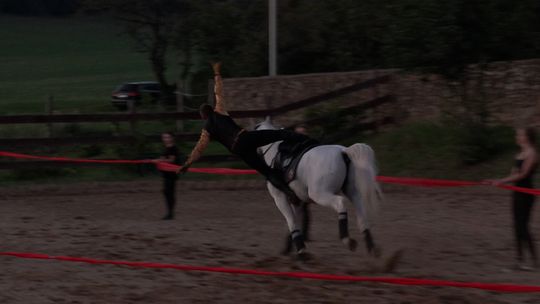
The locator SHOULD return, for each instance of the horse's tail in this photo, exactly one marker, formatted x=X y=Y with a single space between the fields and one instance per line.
x=362 y=182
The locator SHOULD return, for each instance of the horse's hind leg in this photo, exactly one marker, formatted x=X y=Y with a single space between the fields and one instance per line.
x=343 y=223
x=363 y=225
x=336 y=202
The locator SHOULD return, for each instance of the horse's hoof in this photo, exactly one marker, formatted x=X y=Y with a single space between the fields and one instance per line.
x=303 y=256
x=391 y=263
x=350 y=243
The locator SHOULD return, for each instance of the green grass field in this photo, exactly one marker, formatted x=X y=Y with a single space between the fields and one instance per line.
x=77 y=60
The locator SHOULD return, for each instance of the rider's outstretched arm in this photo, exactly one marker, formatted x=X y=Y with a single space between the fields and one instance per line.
x=218 y=89
x=197 y=151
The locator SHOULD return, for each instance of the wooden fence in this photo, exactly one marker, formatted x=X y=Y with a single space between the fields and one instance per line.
x=132 y=117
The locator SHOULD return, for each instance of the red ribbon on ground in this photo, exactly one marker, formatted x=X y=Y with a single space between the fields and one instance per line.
x=163 y=166
x=297 y=275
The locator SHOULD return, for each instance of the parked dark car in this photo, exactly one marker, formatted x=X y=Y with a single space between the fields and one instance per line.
x=138 y=92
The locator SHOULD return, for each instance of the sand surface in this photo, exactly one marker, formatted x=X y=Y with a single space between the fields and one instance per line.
x=459 y=234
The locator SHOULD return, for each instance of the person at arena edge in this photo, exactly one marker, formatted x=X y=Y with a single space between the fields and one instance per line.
x=525 y=165
x=221 y=127
x=171 y=155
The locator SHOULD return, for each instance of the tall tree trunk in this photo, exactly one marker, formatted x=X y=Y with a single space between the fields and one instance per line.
x=158 y=57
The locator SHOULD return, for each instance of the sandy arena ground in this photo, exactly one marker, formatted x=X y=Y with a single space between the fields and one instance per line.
x=454 y=234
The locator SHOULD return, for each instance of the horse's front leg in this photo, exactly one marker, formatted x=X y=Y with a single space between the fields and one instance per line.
x=301 y=213
x=293 y=215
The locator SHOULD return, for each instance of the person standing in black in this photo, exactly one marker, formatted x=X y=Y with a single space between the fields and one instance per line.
x=525 y=165
x=170 y=155
x=221 y=127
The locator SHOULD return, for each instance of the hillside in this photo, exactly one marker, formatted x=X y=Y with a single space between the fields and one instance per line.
x=78 y=60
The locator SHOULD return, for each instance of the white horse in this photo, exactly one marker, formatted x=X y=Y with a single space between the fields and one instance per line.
x=331 y=176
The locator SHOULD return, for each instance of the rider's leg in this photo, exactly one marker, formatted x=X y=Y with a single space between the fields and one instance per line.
x=259 y=138
x=273 y=176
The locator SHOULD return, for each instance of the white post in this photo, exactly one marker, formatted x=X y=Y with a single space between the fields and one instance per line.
x=272 y=37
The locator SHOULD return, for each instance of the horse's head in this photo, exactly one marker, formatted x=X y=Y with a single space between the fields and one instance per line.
x=265 y=125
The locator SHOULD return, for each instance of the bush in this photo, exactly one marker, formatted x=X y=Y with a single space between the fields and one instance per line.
x=331 y=120
x=441 y=150
x=477 y=142
x=92 y=151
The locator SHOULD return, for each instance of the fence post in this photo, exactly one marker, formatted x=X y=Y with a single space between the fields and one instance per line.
x=132 y=122
x=179 y=105
x=269 y=101
x=49 y=111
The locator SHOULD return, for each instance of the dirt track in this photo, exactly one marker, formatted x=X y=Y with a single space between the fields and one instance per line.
x=454 y=234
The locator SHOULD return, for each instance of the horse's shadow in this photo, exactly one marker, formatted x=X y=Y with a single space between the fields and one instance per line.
x=312 y=263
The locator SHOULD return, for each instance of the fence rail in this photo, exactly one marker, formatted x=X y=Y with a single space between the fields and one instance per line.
x=32 y=164
x=87 y=140
x=131 y=117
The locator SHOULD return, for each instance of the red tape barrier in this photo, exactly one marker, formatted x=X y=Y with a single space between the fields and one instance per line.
x=422 y=182
x=222 y=171
x=73 y=160
x=297 y=275
x=227 y=171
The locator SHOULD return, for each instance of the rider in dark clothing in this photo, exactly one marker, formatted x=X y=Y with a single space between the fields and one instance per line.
x=221 y=127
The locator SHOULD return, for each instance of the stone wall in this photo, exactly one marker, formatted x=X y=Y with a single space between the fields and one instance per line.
x=512 y=90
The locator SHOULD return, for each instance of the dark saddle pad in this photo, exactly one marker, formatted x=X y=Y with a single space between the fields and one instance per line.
x=289 y=156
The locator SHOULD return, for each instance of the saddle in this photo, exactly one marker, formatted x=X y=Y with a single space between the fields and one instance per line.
x=289 y=155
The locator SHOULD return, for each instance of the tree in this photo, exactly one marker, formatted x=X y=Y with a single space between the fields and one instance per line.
x=39 y=7
x=152 y=25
